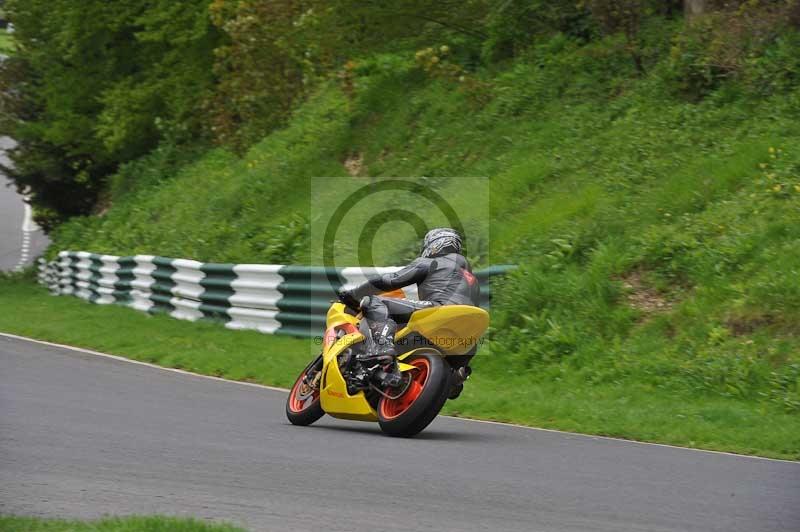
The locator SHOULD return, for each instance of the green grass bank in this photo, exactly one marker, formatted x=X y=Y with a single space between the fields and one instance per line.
x=628 y=408
x=655 y=217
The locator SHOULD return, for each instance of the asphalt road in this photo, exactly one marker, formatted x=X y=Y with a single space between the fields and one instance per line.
x=83 y=435
x=20 y=243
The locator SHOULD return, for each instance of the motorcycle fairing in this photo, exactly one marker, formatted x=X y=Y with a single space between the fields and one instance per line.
x=452 y=329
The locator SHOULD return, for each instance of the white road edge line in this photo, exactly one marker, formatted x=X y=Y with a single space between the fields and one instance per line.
x=28 y=226
x=284 y=390
x=140 y=363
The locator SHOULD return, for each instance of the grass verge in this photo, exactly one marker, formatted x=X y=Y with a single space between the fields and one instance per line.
x=114 y=524
x=621 y=408
x=200 y=347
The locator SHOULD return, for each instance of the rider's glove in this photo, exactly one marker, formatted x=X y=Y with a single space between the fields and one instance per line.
x=348 y=298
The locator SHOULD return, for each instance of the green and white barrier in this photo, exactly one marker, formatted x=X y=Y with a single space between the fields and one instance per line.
x=273 y=299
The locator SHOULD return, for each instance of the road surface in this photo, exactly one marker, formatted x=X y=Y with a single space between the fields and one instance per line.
x=21 y=241
x=82 y=436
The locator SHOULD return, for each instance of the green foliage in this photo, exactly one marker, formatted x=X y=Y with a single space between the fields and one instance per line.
x=253 y=209
x=513 y=26
x=654 y=249
x=748 y=41
x=628 y=18
x=112 y=524
x=6 y=43
x=260 y=69
x=652 y=204
x=276 y=52
x=96 y=84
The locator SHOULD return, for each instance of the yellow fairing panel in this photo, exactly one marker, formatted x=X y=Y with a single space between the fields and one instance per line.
x=334 y=397
x=405 y=367
x=453 y=329
x=337 y=315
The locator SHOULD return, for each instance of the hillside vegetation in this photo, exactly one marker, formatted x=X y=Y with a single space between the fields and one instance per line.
x=6 y=43
x=646 y=182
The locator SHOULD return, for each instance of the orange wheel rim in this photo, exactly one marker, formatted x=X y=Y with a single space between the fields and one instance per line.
x=302 y=396
x=392 y=408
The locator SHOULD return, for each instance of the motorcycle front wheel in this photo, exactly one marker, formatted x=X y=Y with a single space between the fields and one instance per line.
x=303 y=405
x=420 y=402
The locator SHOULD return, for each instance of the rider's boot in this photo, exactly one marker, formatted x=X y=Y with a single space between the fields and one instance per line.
x=383 y=352
x=382 y=349
x=384 y=340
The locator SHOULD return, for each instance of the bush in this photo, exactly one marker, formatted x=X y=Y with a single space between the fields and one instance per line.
x=739 y=41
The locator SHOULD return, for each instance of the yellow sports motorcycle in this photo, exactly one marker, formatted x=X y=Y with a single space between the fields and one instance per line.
x=430 y=347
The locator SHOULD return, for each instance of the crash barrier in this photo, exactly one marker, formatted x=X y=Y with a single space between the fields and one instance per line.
x=273 y=299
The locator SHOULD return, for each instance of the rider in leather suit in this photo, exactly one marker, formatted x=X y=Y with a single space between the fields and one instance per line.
x=443 y=277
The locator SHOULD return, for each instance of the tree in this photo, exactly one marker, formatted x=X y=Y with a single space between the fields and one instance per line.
x=513 y=25
x=95 y=84
x=259 y=68
x=622 y=16
x=275 y=51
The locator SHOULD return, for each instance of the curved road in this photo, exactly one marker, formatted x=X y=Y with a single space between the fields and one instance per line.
x=21 y=241
x=83 y=435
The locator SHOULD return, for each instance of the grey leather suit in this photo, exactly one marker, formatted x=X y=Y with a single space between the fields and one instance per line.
x=443 y=280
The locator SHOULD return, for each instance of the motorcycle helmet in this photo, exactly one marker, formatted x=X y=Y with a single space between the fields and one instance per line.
x=440 y=241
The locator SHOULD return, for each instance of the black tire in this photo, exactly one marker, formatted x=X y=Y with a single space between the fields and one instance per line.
x=309 y=412
x=425 y=406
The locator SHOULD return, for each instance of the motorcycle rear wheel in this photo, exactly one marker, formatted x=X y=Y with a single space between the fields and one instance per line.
x=303 y=405
x=408 y=414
